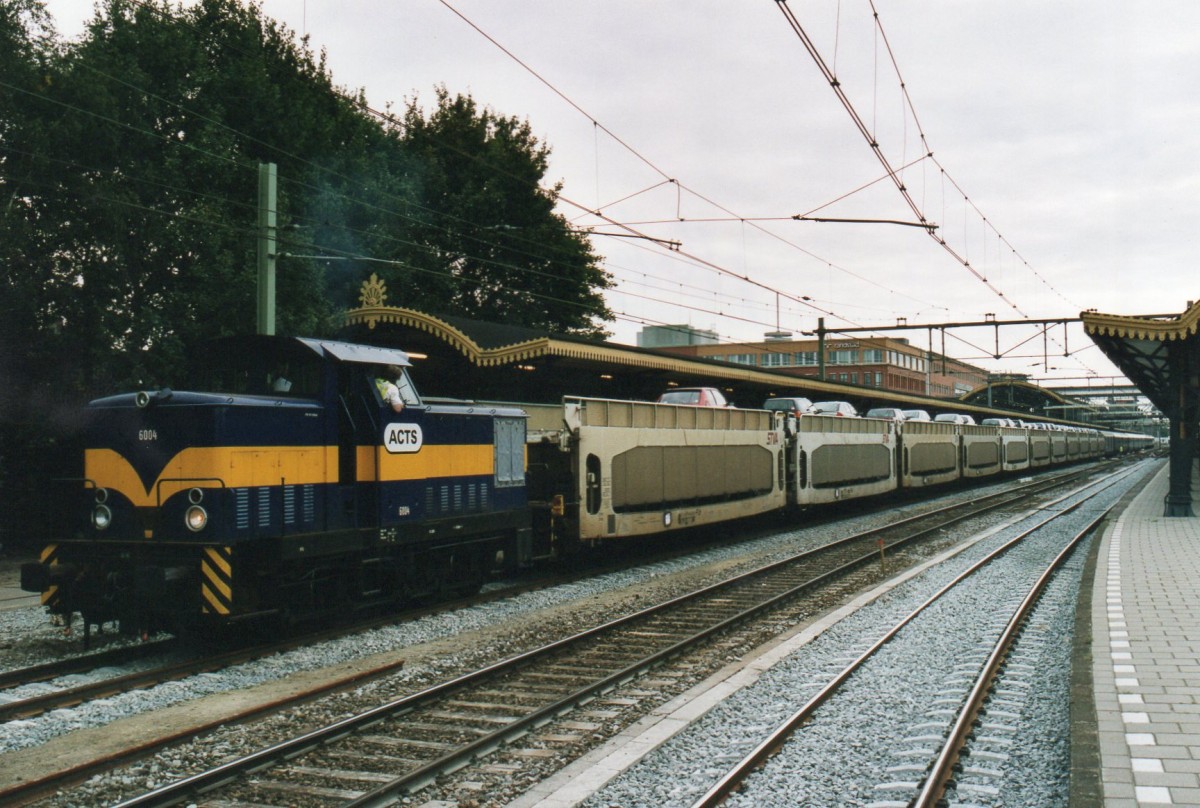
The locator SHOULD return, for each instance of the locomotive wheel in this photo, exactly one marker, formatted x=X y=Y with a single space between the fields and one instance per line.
x=465 y=571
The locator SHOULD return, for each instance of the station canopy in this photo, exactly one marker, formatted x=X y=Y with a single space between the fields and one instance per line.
x=1149 y=349
x=1161 y=355
x=457 y=357
x=472 y=359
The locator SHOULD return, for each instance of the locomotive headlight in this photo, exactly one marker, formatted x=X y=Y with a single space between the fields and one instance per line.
x=196 y=518
x=101 y=517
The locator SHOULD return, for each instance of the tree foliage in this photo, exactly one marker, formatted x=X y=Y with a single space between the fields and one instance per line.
x=489 y=221
x=128 y=174
x=129 y=159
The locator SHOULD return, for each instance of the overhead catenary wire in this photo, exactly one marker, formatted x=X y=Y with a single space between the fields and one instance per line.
x=668 y=177
x=921 y=131
x=744 y=274
x=865 y=131
x=868 y=134
x=891 y=172
x=390 y=119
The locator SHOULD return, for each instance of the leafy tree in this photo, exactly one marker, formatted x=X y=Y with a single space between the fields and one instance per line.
x=135 y=158
x=489 y=223
x=33 y=418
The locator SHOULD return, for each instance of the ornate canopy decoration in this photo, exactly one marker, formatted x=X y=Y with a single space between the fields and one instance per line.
x=494 y=344
x=1142 y=347
x=476 y=359
x=1161 y=355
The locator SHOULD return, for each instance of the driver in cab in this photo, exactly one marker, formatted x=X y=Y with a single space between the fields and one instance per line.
x=389 y=386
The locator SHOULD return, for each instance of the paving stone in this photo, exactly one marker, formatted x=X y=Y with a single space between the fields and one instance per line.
x=1146 y=654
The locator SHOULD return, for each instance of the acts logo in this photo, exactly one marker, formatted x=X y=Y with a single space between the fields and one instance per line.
x=403 y=438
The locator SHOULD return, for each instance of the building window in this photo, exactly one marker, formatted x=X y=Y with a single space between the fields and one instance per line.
x=807 y=359
x=843 y=357
x=873 y=356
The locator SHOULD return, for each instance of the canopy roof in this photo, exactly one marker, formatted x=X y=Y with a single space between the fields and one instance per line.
x=1143 y=347
x=471 y=359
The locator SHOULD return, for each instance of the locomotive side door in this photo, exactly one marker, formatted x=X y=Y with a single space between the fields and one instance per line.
x=358 y=425
x=402 y=457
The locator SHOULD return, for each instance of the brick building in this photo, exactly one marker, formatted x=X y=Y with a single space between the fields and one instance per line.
x=879 y=362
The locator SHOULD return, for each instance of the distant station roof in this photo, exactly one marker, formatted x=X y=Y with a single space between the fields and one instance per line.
x=1023 y=397
x=462 y=358
x=1143 y=347
x=470 y=359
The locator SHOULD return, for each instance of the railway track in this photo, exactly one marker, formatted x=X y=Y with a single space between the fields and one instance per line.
x=46 y=671
x=930 y=779
x=398 y=747
x=138 y=680
x=941 y=774
x=173 y=671
x=211 y=659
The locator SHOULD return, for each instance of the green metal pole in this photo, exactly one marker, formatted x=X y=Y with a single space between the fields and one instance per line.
x=821 y=348
x=267 y=197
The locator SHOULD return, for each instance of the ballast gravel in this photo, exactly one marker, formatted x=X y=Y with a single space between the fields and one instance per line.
x=461 y=639
x=869 y=745
x=40 y=639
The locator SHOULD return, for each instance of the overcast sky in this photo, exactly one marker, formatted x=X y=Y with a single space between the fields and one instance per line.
x=1071 y=126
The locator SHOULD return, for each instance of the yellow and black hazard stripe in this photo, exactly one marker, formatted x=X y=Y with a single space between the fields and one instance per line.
x=49 y=557
x=216 y=580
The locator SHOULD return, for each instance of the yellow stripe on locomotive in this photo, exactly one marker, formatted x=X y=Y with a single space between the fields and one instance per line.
x=233 y=466
x=253 y=467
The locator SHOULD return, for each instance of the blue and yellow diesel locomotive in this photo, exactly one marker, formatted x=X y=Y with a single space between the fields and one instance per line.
x=288 y=487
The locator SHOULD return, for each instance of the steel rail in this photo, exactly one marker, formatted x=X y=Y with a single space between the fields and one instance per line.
x=388 y=793
x=941 y=772
x=202 y=782
x=142 y=680
x=32 y=790
x=25 y=708
x=64 y=667
x=777 y=738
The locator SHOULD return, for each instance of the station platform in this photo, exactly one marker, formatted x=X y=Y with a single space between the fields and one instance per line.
x=1141 y=746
